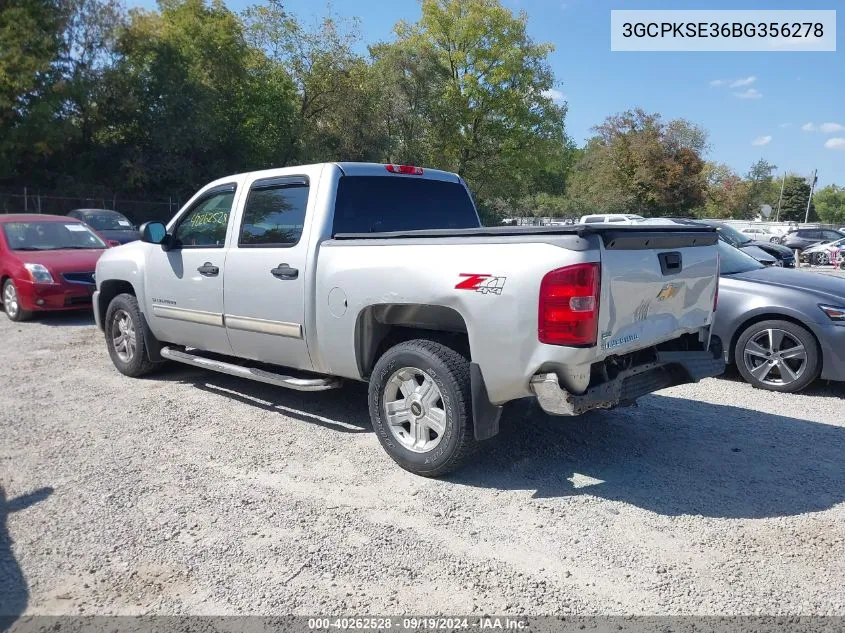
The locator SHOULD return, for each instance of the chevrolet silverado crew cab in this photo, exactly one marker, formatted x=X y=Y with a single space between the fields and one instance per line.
x=303 y=277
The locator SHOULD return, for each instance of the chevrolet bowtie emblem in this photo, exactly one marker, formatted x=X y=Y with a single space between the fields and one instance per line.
x=667 y=292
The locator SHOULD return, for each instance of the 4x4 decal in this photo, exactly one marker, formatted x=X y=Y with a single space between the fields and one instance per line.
x=483 y=283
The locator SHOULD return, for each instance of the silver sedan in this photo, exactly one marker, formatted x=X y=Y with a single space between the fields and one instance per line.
x=782 y=328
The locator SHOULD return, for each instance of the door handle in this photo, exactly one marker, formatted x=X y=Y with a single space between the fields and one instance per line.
x=208 y=269
x=283 y=271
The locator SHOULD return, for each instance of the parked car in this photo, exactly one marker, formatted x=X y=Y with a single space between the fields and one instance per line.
x=384 y=274
x=761 y=234
x=782 y=328
x=610 y=218
x=823 y=253
x=46 y=263
x=110 y=224
x=804 y=238
x=785 y=257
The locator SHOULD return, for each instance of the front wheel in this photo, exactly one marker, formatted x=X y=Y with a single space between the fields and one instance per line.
x=821 y=259
x=778 y=356
x=12 y=303
x=124 y=337
x=420 y=407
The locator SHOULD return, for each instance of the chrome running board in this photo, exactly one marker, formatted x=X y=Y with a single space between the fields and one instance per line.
x=251 y=373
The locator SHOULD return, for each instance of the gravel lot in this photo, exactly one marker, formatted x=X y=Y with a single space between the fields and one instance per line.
x=196 y=493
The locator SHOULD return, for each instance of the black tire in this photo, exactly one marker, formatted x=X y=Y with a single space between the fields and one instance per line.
x=813 y=358
x=449 y=371
x=20 y=314
x=138 y=363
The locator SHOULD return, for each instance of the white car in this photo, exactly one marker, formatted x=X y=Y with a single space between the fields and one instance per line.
x=823 y=253
x=608 y=218
x=760 y=233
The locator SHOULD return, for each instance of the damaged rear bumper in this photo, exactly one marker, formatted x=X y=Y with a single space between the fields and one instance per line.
x=667 y=370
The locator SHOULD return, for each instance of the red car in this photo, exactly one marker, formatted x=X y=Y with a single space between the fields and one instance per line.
x=46 y=263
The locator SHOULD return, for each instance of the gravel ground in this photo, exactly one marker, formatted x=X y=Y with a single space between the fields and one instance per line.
x=195 y=493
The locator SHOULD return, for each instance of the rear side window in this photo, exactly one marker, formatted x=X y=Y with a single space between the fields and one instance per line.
x=374 y=204
x=274 y=213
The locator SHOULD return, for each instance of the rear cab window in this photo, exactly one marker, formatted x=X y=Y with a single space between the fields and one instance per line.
x=375 y=204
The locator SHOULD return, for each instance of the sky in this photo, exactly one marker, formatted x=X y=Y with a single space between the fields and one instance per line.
x=785 y=107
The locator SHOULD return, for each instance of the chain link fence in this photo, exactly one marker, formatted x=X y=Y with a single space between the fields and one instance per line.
x=28 y=200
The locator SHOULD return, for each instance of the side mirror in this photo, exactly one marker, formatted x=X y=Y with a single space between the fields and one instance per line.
x=153 y=232
x=112 y=243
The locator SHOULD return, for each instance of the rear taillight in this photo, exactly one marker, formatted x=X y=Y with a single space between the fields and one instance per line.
x=408 y=170
x=569 y=305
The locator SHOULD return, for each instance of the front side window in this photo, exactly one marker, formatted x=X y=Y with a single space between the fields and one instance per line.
x=274 y=214
x=205 y=225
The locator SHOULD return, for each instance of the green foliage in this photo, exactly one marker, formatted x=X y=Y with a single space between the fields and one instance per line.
x=636 y=163
x=160 y=102
x=830 y=204
x=726 y=194
x=793 y=207
x=157 y=103
x=762 y=189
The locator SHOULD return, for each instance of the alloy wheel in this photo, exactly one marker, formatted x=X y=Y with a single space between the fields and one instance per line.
x=123 y=336
x=414 y=409
x=10 y=300
x=775 y=357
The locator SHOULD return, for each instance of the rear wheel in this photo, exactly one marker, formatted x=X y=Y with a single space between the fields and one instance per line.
x=12 y=303
x=778 y=356
x=420 y=407
x=124 y=337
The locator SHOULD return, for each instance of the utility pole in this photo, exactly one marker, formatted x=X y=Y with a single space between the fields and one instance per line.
x=810 y=199
x=782 y=183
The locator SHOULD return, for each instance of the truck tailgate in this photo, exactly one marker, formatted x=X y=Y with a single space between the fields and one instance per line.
x=656 y=285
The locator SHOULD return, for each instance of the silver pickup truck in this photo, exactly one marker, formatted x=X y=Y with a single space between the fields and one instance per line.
x=302 y=277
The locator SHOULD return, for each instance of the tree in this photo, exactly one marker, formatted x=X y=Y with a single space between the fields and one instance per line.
x=726 y=193
x=830 y=204
x=796 y=192
x=761 y=189
x=637 y=164
x=189 y=100
x=30 y=41
x=482 y=87
x=337 y=99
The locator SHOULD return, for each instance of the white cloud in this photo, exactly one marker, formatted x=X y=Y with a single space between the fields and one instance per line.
x=761 y=140
x=751 y=93
x=785 y=125
x=716 y=83
x=835 y=143
x=555 y=95
x=745 y=81
x=809 y=127
x=830 y=128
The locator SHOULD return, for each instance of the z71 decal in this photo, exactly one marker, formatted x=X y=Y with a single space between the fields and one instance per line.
x=482 y=283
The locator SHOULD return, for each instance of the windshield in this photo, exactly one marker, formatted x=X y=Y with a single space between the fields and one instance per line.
x=108 y=222
x=731 y=235
x=732 y=260
x=50 y=236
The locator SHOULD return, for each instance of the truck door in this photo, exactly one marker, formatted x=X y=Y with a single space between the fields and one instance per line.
x=264 y=295
x=184 y=285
